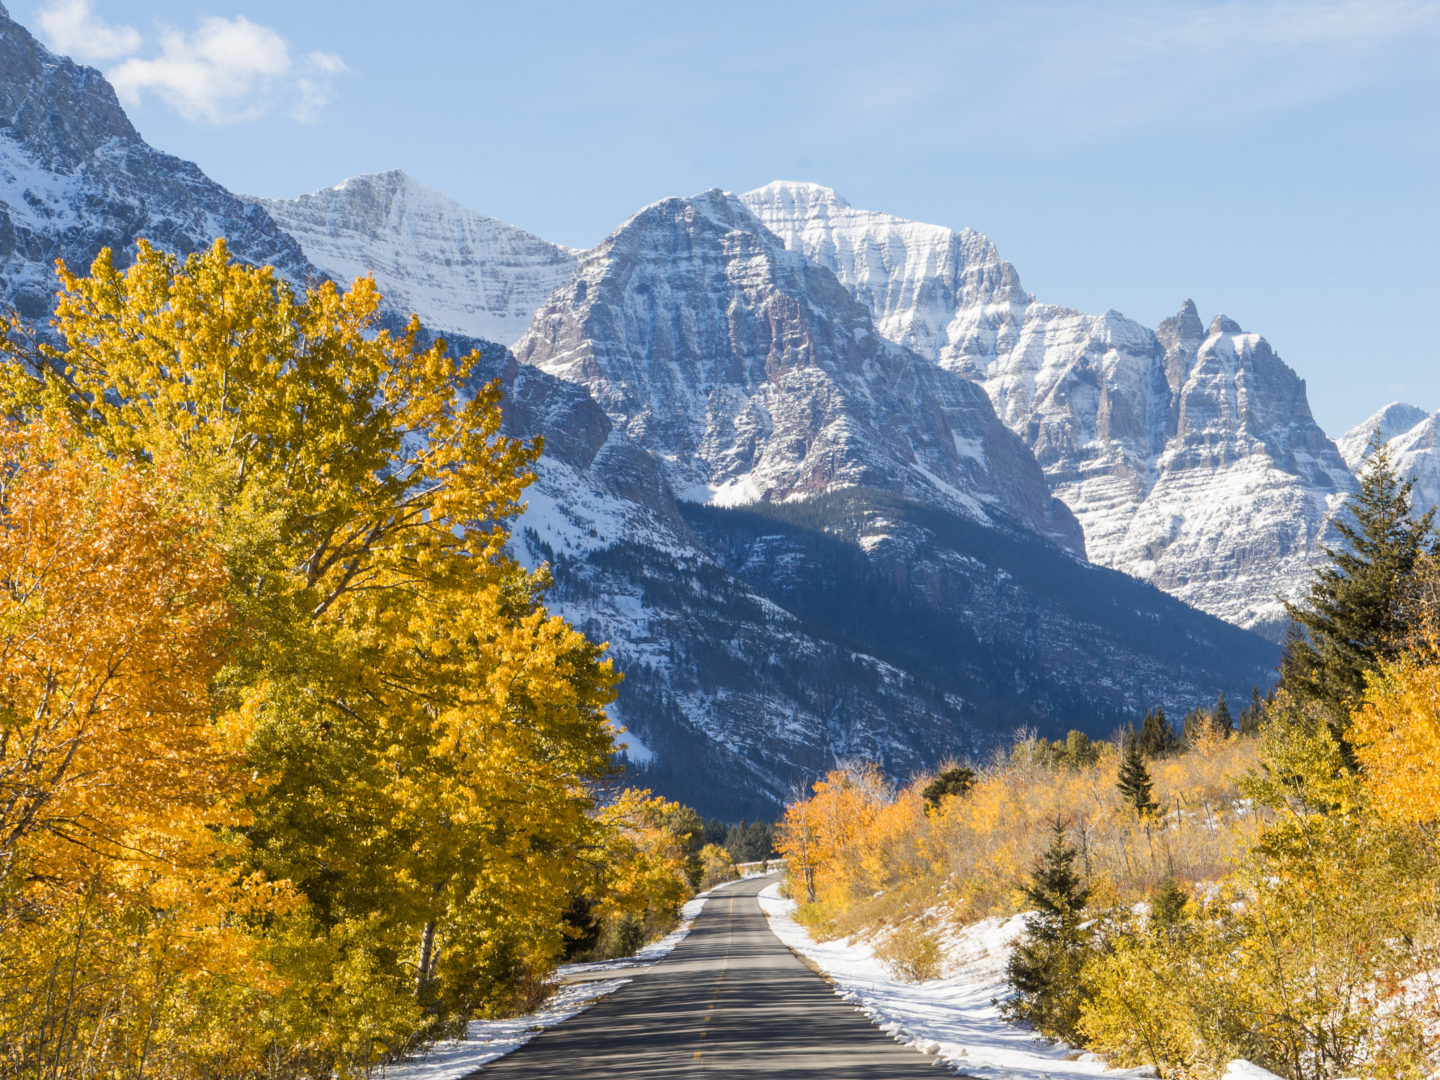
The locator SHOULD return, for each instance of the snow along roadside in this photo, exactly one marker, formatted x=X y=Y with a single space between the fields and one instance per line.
x=957 y=1018
x=486 y=1040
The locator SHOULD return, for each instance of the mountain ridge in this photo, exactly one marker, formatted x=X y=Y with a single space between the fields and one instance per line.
x=471 y=273
x=75 y=177
x=1141 y=433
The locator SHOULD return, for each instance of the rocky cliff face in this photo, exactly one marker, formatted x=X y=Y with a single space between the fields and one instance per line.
x=468 y=273
x=1188 y=453
x=1413 y=436
x=76 y=177
x=757 y=377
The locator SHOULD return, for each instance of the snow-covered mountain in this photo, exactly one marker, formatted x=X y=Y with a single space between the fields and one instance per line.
x=1188 y=453
x=907 y=578
x=468 y=273
x=756 y=376
x=75 y=176
x=1413 y=436
x=803 y=542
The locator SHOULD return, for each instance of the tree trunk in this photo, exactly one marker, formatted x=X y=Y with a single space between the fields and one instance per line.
x=427 y=958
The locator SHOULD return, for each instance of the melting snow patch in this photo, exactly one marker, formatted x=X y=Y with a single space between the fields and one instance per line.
x=956 y=1018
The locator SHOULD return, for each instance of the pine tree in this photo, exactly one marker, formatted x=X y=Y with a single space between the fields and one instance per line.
x=1157 y=737
x=1253 y=714
x=1221 y=720
x=1134 y=782
x=1352 y=618
x=1045 y=965
x=1167 y=904
x=953 y=781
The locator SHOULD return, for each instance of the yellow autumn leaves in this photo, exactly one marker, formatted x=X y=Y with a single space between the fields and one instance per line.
x=1397 y=729
x=296 y=770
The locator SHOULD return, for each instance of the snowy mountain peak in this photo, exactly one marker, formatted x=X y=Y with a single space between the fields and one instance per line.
x=75 y=177
x=1183 y=327
x=62 y=112
x=1413 y=436
x=915 y=278
x=464 y=271
x=1223 y=324
x=1189 y=455
x=758 y=377
x=1393 y=420
x=799 y=196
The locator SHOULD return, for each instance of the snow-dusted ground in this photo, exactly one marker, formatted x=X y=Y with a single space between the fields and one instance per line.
x=579 y=987
x=955 y=1018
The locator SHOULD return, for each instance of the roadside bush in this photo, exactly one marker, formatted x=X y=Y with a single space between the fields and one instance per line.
x=911 y=953
x=716 y=866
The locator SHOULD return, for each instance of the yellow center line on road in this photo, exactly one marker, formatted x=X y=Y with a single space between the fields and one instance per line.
x=720 y=976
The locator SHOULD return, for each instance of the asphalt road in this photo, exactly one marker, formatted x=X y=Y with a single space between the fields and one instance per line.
x=731 y=1000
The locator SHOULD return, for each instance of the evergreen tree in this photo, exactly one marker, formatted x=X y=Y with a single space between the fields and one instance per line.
x=1352 y=618
x=953 y=781
x=1079 y=750
x=1045 y=966
x=1221 y=720
x=1157 y=737
x=1253 y=714
x=1167 y=904
x=1134 y=782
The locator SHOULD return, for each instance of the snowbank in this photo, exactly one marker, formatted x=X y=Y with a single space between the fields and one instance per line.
x=579 y=988
x=1243 y=1070
x=956 y=1018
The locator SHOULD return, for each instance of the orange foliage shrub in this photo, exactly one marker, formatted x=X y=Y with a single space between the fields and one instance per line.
x=862 y=855
x=111 y=609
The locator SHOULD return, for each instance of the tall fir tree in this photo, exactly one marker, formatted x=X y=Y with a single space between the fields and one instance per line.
x=1135 y=783
x=1253 y=714
x=1221 y=720
x=1353 y=617
x=1157 y=738
x=1045 y=965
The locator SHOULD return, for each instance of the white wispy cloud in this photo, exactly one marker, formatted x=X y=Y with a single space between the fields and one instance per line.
x=73 y=28
x=225 y=71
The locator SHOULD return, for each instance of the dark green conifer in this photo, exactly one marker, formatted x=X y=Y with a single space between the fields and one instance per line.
x=1352 y=619
x=1045 y=965
x=1167 y=904
x=1157 y=737
x=1134 y=782
x=1220 y=719
x=1253 y=714
x=954 y=781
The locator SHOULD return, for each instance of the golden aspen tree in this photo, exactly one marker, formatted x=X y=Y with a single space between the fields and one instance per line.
x=115 y=786
x=422 y=730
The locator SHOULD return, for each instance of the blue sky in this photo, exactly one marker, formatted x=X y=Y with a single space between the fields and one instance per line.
x=1278 y=161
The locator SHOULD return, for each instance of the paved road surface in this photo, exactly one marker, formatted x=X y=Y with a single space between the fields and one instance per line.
x=729 y=1001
